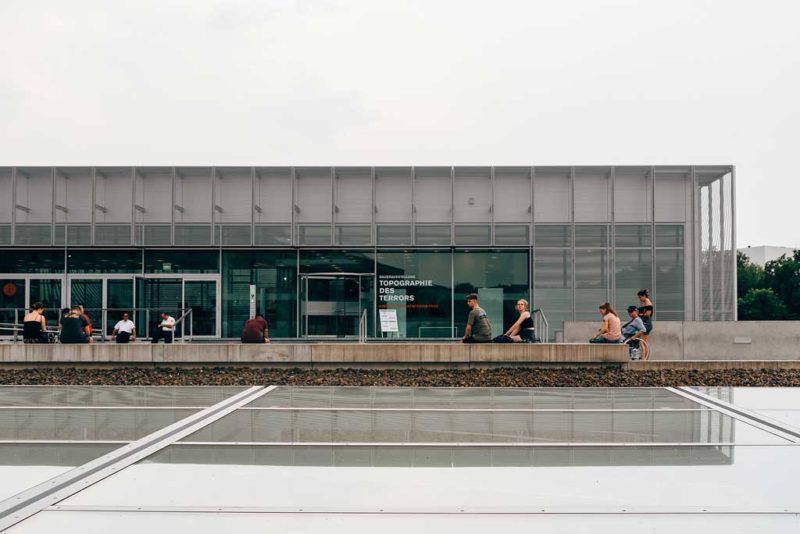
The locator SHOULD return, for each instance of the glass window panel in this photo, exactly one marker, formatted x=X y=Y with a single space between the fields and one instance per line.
x=89 y=294
x=473 y=234
x=192 y=234
x=552 y=275
x=669 y=281
x=633 y=272
x=32 y=261
x=353 y=235
x=104 y=261
x=670 y=235
x=500 y=278
x=591 y=278
x=275 y=276
x=119 y=299
x=394 y=234
x=112 y=234
x=633 y=236
x=424 y=308
x=232 y=235
x=512 y=234
x=181 y=261
x=12 y=302
x=595 y=236
x=313 y=235
x=552 y=235
x=430 y=234
x=48 y=292
x=273 y=235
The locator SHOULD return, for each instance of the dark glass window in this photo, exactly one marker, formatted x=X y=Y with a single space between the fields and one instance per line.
x=32 y=261
x=181 y=261
x=104 y=261
x=418 y=286
x=500 y=278
x=274 y=273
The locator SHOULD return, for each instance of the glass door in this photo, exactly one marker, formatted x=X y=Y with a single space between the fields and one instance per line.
x=201 y=297
x=155 y=296
x=48 y=292
x=89 y=293
x=331 y=305
x=12 y=303
x=119 y=299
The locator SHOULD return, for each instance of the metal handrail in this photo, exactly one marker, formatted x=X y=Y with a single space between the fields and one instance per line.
x=185 y=315
x=362 y=327
x=540 y=324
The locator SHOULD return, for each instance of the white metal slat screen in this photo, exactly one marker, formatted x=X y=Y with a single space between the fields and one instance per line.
x=393 y=195
x=592 y=188
x=551 y=195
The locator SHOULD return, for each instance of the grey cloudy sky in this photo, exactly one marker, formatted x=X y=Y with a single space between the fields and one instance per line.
x=412 y=82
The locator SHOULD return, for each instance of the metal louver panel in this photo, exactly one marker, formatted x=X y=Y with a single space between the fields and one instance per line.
x=112 y=234
x=273 y=235
x=192 y=235
x=32 y=234
x=393 y=234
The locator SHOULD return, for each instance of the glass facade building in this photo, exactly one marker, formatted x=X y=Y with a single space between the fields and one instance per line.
x=314 y=247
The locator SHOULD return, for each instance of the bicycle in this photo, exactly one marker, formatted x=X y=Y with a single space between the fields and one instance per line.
x=639 y=350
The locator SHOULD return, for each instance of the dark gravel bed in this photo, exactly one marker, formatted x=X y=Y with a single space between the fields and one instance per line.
x=507 y=377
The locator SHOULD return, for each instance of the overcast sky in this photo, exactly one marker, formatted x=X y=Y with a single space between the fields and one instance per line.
x=420 y=82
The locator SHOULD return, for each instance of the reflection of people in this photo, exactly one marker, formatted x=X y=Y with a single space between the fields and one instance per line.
x=610 y=332
x=522 y=331
x=34 y=326
x=479 y=329
x=255 y=330
x=165 y=329
x=74 y=327
x=124 y=330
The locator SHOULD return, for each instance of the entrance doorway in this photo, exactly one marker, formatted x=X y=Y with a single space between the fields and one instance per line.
x=332 y=304
x=176 y=295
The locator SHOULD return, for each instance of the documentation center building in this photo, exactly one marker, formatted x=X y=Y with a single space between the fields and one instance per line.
x=319 y=249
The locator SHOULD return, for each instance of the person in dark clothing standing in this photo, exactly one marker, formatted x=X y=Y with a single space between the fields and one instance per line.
x=646 y=312
x=74 y=327
x=255 y=330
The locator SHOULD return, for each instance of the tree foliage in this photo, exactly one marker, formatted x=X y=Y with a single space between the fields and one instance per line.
x=771 y=293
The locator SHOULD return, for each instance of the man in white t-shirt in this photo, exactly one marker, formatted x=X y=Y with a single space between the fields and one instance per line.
x=166 y=329
x=124 y=330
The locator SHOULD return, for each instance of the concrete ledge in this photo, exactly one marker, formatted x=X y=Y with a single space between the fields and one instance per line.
x=323 y=354
x=710 y=365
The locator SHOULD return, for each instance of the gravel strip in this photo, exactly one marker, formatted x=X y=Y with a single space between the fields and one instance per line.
x=507 y=377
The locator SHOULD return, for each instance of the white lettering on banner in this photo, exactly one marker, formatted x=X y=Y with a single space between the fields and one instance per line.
x=388 y=283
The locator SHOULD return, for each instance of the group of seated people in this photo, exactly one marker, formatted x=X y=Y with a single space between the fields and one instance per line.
x=638 y=327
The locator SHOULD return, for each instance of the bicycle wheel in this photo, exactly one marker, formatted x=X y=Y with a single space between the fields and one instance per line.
x=645 y=348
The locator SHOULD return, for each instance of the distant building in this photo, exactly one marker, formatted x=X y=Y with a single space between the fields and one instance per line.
x=762 y=254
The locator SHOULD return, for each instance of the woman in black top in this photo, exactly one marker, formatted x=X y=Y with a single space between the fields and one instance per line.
x=646 y=312
x=522 y=330
x=34 y=328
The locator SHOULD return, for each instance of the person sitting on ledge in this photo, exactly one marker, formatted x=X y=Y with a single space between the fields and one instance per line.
x=479 y=329
x=611 y=331
x=34 y=327
x=73 y=327
x=255 y=330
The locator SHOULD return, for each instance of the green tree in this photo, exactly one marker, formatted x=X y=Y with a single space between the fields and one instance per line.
x=761 y=305
x=783 y=277
x=748 y=275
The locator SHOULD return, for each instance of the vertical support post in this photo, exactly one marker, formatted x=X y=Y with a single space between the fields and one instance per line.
x=735 y=281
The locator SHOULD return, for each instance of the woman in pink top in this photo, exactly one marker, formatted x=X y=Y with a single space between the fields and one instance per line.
x=610 y=332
